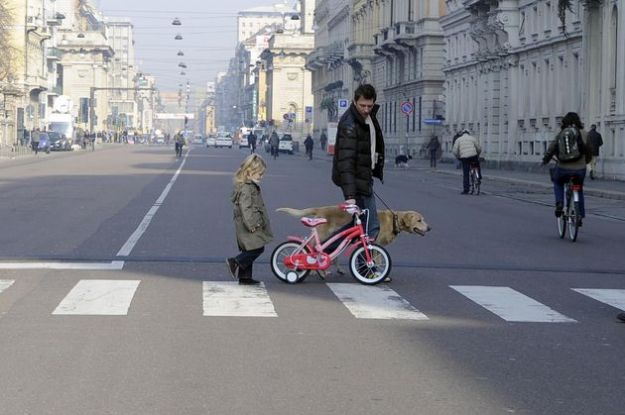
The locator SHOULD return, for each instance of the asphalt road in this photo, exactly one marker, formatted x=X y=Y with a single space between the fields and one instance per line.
x=115 y=299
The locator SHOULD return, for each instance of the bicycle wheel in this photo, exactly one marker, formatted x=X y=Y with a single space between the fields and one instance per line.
x=377 y=272
x=573 y=221
x=471 y=182
x=280 y=270
x=562 y=224
x=478 y=182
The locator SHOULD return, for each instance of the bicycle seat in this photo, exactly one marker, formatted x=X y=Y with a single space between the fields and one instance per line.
x=312 y=222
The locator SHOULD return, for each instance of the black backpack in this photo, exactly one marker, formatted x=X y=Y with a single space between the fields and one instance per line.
x=570 y=145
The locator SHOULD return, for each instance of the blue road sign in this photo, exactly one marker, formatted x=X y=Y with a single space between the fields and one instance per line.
x=406 y=107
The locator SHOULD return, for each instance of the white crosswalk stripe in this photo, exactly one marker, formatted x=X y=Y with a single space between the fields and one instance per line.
x=4 y=284
x=223 y=299
x=98 y=297
x=379 y=302
x=613 y=297
x=228 y=299
x=511 y=305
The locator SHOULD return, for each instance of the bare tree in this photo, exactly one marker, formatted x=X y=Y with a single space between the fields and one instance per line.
x=8 y=52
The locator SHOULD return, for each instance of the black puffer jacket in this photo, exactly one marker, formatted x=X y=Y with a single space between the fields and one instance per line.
x=351 y=166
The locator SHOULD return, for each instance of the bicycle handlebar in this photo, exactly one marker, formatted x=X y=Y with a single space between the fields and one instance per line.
x=350 y=208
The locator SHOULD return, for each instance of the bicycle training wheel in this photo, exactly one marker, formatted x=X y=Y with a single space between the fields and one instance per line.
x=377 y=272
x=573 y=221
x=280 y=270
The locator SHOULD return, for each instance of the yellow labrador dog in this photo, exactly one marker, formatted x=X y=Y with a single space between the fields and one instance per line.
x=405 y=221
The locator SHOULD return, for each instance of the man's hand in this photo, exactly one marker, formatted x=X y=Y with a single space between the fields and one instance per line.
x=350 y=202
x=546 y=159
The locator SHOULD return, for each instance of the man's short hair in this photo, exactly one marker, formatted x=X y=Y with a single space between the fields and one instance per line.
x=366 y=91
x=593 y=126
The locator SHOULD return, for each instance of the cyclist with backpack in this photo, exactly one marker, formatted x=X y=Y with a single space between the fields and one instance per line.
x=572 y=151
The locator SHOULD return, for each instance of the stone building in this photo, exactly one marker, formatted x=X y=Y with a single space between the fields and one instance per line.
x=514 y=68
x=409 y=47
x=396 y=45
x=288 y=82
x=331 y=74
x=603 y=77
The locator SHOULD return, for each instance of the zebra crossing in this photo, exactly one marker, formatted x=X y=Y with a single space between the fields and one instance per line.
x=97 y=297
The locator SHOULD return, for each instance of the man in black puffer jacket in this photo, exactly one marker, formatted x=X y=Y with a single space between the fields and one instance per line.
x=359 y=153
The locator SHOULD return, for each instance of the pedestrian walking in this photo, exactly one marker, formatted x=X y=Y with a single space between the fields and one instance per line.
x=308 y=144
x=274 y=142
x=323 y=140
x=251 y=221
x=467 y=149
x=434 y=147
x=34 y=136
x=251 y=141
x=359 y=155
x=595 y=140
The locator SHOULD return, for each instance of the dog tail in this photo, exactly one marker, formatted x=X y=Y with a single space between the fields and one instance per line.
x=298 y=213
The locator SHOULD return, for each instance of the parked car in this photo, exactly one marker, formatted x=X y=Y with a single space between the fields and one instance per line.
x=58 y=142
x=285 y=145
x=223 y=140
x=44 y=142
x=211 y=141
x=198 y=139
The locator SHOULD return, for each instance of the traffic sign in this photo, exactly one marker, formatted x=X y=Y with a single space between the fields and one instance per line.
x=343 y=105
x=406 y=107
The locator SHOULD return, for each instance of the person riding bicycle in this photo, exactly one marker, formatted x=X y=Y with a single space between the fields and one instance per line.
x=179 y=140
x=467 y=149
x=571 y=164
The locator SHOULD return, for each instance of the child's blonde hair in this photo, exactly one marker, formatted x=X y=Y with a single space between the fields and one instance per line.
x=252 y=166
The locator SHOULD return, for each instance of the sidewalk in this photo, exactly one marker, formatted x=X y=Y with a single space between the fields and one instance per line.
x=609 y=189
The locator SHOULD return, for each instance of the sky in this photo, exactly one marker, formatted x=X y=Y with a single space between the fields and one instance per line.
x=208 y=30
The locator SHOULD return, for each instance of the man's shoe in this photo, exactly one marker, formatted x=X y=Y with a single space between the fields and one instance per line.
x=579 y=222
x=621 y=316
x=559 y=209
x=233 y=267
x=464 y=192
x=248 y=281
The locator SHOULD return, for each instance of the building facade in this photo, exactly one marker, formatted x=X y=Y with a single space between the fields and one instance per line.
x=514 y=68
x=330 y=72
x=288 y=82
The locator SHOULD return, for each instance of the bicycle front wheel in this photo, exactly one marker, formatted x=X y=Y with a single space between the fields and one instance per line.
x=377 y=272
x=562 y=225
x=279 y=268
x=573 y=221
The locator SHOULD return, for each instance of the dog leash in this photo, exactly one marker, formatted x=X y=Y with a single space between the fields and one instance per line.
x=395 y=217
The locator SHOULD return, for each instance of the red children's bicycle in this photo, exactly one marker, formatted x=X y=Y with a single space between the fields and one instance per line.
x=293 y=260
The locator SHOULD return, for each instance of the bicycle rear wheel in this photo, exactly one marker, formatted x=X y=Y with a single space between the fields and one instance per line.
x=280 y=270
x=562 y=225
x=573 y=221
x=374 y=274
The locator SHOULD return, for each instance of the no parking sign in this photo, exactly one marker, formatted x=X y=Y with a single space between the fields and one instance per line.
x=406 y=107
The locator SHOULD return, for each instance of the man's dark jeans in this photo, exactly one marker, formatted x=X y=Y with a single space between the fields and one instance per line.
x=466 y=166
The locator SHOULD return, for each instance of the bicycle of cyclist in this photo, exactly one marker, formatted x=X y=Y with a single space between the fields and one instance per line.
x=475 y=178
x=369 y=263
x=572 y=152
x=179 y=144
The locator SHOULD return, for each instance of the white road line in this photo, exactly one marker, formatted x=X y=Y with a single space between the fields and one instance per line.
x=105 y=266
x=229 y=299
x=613 y=297
x=98 y=297
x=375 y=302
x=511 y=305
x=143 y=226
x=4 y=284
